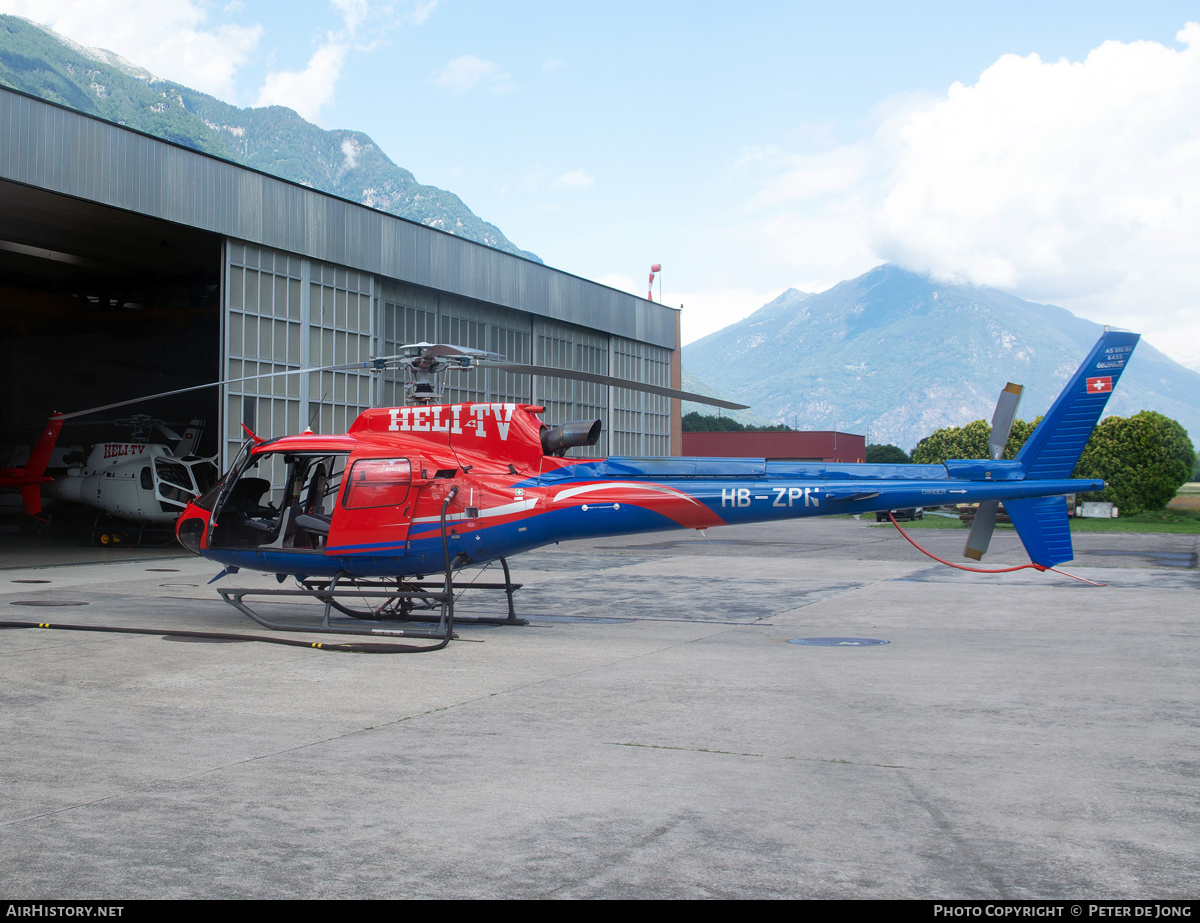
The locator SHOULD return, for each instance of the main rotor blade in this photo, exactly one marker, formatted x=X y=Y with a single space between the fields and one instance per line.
x=382 y=362
x=981 y=530
x=373 y=364
x=616 y=383
x=1002 y=419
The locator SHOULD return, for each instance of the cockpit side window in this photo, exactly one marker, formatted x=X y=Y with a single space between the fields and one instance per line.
x=375 y=482
x=279 y=500
x=315 y=482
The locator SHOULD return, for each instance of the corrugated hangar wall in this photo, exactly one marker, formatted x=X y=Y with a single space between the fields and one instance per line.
x=285 y=312
x=310 y=279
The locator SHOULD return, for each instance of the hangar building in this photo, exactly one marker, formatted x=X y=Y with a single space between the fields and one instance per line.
x=130 y=265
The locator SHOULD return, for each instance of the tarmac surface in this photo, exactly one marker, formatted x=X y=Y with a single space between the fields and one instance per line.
x=652 y=733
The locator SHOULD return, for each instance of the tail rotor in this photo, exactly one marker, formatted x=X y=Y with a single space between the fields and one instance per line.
x=985 y=516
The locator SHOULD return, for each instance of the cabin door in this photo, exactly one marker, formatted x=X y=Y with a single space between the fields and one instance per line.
x=374 y=509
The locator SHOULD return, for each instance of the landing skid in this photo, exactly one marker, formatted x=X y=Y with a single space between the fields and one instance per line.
x=392 y=605
x=406 y=602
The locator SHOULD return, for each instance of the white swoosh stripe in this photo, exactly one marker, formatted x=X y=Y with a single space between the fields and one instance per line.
x=517 y=506
x=625 y=485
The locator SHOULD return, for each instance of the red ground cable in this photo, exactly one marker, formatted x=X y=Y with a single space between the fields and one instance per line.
x=982 y=570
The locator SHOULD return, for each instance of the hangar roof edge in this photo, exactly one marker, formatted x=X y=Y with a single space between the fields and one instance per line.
x=128 y=169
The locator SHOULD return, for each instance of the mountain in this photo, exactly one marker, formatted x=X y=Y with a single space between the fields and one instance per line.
x=698 y=386
x=274 y=139
x=897 y=355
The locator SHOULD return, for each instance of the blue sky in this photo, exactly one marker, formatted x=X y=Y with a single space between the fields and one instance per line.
x=753 y=148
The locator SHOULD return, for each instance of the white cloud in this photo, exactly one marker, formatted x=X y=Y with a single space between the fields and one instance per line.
x=170 y=38
x=353 y=13
x=576 y=179
x=811 y=213
x=1071 y=182
x=1067 y=182
x=706 y=312
x=464 y=74
x=422 y=11
x=350 y=151
x=309 y=90
x=753 y=153
x=306 y=91
x=174 y=39
x=812 y=176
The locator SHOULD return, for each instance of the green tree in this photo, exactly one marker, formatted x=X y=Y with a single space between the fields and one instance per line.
x=970 y=441
x=1144 y=459
x=887 y=455
x=701 y=423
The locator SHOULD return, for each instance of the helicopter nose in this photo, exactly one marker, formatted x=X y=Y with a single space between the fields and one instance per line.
x=190 y=529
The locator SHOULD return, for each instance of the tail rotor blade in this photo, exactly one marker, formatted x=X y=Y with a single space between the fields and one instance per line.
x=981 y=530
x=1002 y=419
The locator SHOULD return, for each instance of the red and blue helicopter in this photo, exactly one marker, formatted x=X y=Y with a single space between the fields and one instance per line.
x=429 y=489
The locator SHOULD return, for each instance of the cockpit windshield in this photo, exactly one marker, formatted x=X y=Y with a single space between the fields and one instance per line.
x=280 y=500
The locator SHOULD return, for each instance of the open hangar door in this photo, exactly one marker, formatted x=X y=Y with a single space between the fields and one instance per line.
x=99 y=305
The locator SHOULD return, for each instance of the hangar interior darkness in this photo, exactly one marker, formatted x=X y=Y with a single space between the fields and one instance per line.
x=99 y=305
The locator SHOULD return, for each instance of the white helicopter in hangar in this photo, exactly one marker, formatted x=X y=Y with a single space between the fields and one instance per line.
x=143 y=484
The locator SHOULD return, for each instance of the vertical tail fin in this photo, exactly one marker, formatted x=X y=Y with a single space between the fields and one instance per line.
x=1055 y=446
x=28 y=478
x=188 y=441
x=1053 y=450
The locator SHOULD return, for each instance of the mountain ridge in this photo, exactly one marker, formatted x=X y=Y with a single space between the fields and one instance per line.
x=899 y=355
x=274 y=139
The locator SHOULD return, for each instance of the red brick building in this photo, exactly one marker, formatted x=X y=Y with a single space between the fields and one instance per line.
x=817 y=445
